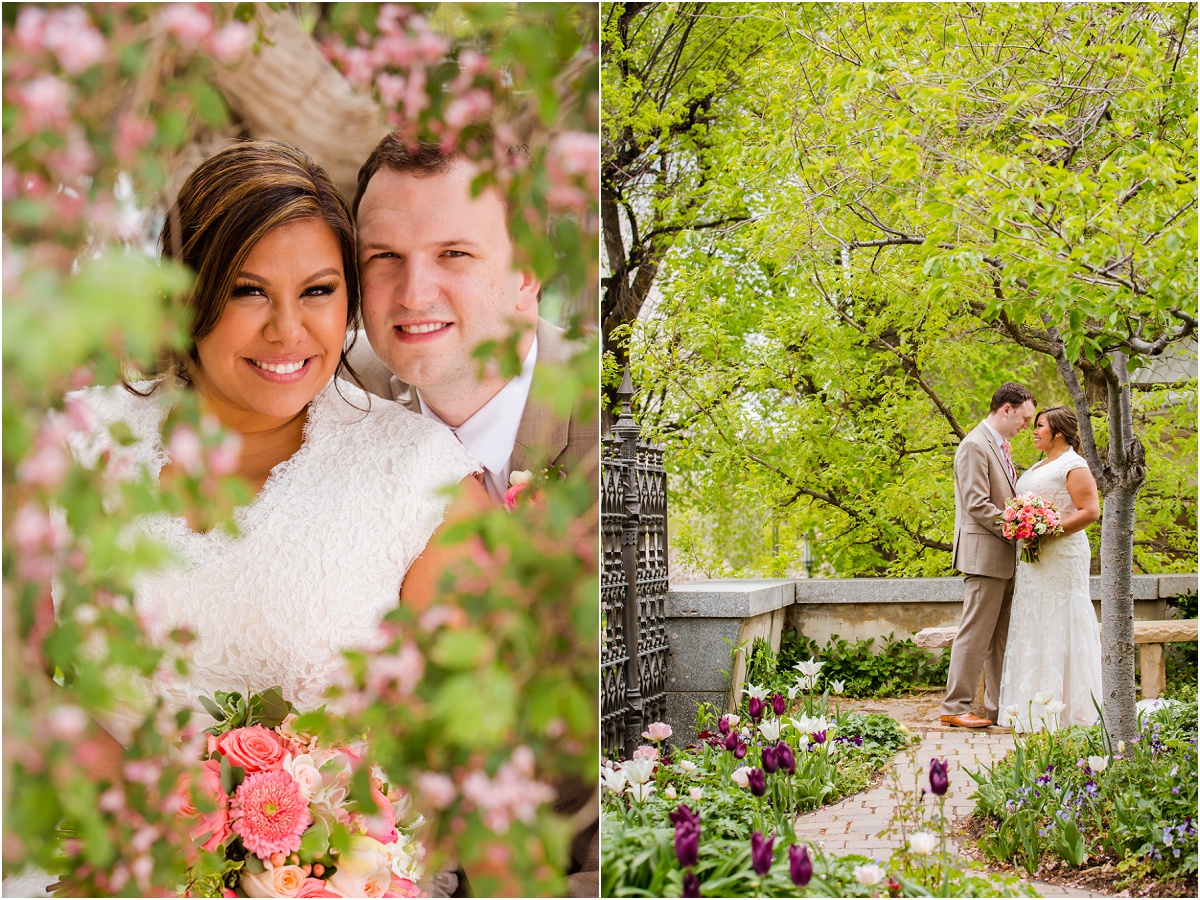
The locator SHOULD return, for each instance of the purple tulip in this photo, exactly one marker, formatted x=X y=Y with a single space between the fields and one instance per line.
x=691 y=885
x=801 y=866
x=758 y=782
x=938 y=779
x=779 y=704
x=761 y=855
x=687 y=844
x=684 y=813
x=739 y=752
x=732 y=741
x=785 y=757
x=818 y=737
x=769 y=760
x=756 y=708
x=723 y=725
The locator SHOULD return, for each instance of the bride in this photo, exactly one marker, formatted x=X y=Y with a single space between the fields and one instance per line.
x=1052 y=662
x=347 y=492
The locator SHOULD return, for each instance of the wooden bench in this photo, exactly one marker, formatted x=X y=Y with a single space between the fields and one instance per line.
x=1149 y=635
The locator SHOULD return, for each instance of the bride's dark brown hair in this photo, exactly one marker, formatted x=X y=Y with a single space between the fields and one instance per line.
x=1061 y=420
x=225 y=207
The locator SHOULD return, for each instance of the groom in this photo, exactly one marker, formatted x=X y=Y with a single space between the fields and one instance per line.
x=439 y=279
x=984 y=477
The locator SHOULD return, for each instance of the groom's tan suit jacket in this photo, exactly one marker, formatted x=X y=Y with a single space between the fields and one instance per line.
x=981 y=485
x=545 y=438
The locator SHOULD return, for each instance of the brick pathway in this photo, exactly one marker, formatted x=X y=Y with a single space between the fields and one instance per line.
x=853 y=825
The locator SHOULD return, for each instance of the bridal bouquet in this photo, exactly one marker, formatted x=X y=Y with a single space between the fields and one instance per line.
x=275 y=818
x=1028 y=518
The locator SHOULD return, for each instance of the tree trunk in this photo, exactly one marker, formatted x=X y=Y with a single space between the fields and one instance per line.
x=288 y=90
x=1116 y=613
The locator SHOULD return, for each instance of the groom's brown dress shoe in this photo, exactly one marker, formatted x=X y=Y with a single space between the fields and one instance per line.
x=970 y=720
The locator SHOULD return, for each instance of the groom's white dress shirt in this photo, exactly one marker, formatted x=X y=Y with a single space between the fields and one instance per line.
x=491 y=434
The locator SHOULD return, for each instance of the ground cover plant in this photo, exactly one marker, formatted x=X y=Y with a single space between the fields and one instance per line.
x=1069 y=795
x=717 y=818
x=896 y=667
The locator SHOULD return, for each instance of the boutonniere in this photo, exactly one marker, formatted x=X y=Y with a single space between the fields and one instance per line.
x=524 y=481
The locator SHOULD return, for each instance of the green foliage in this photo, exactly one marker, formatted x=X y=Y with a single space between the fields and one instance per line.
x=922 y=222
x=1069 y=794
x=898 y=667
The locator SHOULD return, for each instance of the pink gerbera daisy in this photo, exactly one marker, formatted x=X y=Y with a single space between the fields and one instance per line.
x=269 y=813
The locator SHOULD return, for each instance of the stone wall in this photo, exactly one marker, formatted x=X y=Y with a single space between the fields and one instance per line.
x=706 y=620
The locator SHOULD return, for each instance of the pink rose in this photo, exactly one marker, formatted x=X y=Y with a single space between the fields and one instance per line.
x=511 y=495
x=255 y=749
x=316 y=887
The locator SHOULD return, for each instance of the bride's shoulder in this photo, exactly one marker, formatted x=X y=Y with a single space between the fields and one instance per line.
x=380 y=425
x=93 y=412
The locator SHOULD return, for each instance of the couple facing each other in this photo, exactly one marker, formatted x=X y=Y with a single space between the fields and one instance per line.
x=349 y=490
x=1028 y=627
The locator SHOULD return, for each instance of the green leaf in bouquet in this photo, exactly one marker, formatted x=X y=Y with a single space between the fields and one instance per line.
x=315 y=841
x=231 y=775
x=254 y=865
x=213 y=710
x=268 y=708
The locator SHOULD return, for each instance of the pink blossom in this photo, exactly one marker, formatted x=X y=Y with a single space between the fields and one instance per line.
x=74 y=41
x=472 y=106
x=30 y=26
x=66 y=722
x=436 y=789
x=416 y=100
x=511 y=495
x=402 y=671
x=254 y=748
x=645 y=752
x=188 y=23
x=390 y=88
x=511 y=794
x=185 y=449
x=133 y=133
x=402 y=887
x=45 y=102
x=269 y=813
x=75 y=161
x=231 y=42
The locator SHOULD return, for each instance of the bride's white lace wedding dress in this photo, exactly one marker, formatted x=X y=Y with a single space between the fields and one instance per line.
x=1053 y=649
x=319 y=559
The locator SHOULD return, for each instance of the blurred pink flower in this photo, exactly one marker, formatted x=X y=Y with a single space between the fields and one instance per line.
x=74 y=41
x=185 y=448
x=403 y=670
x=187 y=22
x=231 y=42
x=436 y=789
x=133 y=133
x=45 y=102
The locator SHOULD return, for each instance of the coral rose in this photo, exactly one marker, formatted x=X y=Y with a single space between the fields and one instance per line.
x=255 y=749
x=215 y=821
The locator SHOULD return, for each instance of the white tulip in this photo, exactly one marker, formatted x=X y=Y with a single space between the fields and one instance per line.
x=741 y=776
x=640 y=792
x=770 y=729
x=1097 y=763
x=838 y=686
x=923 y=842
x=614 y=779
x=754 y=690
x=811 y=668
x=868 y=876
x=687 y=765
x=639 y=770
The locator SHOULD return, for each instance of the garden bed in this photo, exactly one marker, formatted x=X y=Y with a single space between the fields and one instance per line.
x=1067 y=808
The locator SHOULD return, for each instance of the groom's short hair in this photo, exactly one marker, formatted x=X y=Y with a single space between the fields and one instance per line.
x=424 y=158
x=1011 y=392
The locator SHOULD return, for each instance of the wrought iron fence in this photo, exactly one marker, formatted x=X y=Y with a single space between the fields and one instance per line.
x=633 y=585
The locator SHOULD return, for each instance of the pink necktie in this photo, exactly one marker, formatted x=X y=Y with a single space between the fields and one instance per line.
x=1012 y=470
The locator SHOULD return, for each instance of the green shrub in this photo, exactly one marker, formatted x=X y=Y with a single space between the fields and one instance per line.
x=898 y=667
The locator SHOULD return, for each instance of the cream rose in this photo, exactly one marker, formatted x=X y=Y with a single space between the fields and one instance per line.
x=281 y=881
x=304 y=772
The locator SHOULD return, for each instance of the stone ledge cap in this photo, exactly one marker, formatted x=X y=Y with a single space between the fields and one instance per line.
x=730 y=598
